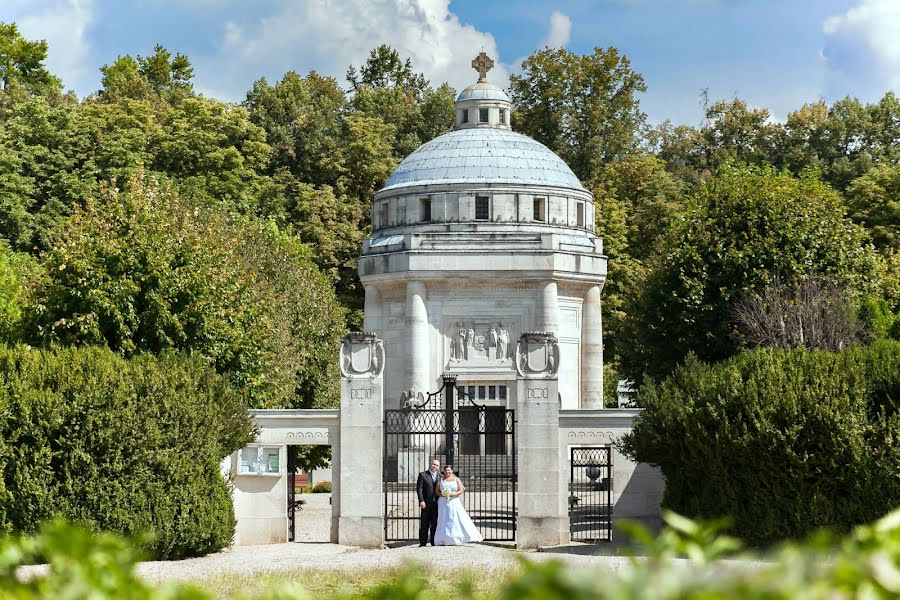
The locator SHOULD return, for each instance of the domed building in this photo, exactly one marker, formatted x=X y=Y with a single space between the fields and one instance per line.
x=479 y=235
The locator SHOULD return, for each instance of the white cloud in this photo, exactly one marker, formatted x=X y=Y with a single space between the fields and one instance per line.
x=862 y=48
x=64 y=24
x=560 y=30
x=330 y=35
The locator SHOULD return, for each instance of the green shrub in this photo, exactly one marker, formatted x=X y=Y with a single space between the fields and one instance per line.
x=323 y=487
x=127 y=446
x=781 y=441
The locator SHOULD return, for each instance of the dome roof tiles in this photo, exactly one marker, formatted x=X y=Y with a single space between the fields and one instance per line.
x=483 y=91
x=483 y=155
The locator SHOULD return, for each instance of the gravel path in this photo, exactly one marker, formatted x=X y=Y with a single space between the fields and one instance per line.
x=312 y=551
x=276 y=558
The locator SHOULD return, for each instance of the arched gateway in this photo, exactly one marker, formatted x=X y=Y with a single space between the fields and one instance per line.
x=484 y=348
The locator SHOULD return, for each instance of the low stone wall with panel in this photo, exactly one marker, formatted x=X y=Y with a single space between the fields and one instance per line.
x=260 y=471
x=637 y=489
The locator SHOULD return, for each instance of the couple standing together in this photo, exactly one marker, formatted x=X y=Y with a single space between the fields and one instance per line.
x=444 y=521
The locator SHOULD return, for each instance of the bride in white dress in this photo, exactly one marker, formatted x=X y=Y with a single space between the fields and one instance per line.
x=454 y=527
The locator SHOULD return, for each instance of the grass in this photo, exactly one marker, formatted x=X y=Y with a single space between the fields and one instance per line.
x=323 y=583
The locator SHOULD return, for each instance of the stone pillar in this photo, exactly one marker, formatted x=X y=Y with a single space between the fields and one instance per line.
x=591 y=351
x=373 y=311
x=543 y=519
x=361 y=452
x=334 y=437
x=418 y=356
x=548 y=309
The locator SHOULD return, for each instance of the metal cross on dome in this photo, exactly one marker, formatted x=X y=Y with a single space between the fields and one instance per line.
x=482 y=63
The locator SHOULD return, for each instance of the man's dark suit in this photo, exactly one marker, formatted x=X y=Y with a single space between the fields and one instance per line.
x=428 y=520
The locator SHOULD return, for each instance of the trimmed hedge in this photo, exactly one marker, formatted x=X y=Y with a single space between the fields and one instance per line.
x=323 y=487
x=127 y=446
x=781 y=441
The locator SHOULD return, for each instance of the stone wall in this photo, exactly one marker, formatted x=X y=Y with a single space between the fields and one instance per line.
x=637 y=488
x=260 y=498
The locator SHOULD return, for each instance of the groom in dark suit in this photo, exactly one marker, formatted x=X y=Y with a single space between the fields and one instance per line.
x=428 y=502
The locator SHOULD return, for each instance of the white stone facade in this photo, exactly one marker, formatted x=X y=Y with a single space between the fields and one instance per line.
x=480 y=235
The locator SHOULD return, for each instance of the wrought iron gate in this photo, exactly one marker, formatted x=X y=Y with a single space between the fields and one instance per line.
x=590 y=494
x=479 y=440
x=292 y=489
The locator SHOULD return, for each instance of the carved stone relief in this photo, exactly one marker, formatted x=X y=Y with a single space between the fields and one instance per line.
x=362 y=355
x=480 y=341
x=537 y=353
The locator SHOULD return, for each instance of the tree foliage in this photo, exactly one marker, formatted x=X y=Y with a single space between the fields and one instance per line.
x=781 y=441
x=127 y=446
x=145 y=271
x=584 y=108
x=22 y=68
x=743 y=227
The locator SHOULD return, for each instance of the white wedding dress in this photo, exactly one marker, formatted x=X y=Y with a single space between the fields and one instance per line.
x=454 y=527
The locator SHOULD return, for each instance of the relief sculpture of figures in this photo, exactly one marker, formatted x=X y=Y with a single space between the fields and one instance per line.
x=455 y=353
x=495 y=342
x=470 y=340
x=462 y=350
x=502 y=343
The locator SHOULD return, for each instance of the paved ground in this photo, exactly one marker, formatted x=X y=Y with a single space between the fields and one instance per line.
x=312 y=551
x=290 y=557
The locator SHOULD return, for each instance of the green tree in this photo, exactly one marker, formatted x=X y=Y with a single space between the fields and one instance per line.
x=20 y=274
x=299 y=117
x=874 y=202
x=388 y=89
x=333 y=226
x=584 y=108
x=361 y=160
x=744 y=227
x=636 y=198
x=145 y=271
x=843 y=140
x=22 y=67
x=160 y=74
x=734 y=132
x=386 y=69
x=213 y=152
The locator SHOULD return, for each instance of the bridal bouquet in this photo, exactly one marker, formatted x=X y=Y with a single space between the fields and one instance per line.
x=445 y=491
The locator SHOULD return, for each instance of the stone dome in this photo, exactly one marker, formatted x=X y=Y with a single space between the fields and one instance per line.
x=481 y=156
x=483 y=91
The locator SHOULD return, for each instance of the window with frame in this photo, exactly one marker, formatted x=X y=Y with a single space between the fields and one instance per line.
x=465 y=115
x=425 y=209
x=259 y=460
x=540 y=209
x=383 y=214
x=579 y=214
x=482 y=115
x=482 y=208
x=503 y=116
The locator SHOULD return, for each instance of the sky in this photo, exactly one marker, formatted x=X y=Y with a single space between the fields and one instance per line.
x=774 y=54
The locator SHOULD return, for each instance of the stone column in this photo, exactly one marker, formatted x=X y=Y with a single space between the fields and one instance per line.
x=334 y=438
x=418 y=356
x=373 y=311
x=548 y=308
x=591 y=351
x=361 y=452
x=543 y=519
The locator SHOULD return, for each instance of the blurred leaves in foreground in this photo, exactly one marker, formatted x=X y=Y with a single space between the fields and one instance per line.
x=685 y=561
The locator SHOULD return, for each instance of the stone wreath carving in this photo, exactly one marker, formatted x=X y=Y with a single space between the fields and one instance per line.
x=362 y=355
x=537 y=353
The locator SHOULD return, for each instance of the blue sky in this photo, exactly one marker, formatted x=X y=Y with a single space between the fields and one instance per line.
x=776 y=54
